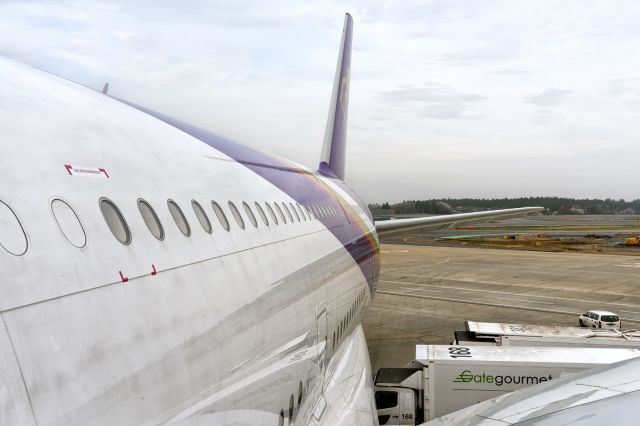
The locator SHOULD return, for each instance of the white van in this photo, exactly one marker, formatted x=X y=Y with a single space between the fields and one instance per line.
x=600 y=319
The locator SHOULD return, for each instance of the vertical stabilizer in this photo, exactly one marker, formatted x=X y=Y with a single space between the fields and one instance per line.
x=335 y=136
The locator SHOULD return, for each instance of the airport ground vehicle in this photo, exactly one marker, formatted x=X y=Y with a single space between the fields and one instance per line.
x=553 y=336
x=443 y=379
x=600 y=319
x=632 y=241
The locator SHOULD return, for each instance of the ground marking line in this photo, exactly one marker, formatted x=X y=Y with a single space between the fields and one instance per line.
x=634 y=305
x=475 y=302
x=421 y=289
x=527 y=301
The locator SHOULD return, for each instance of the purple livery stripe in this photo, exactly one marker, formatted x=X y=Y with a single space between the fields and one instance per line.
x=301 y=185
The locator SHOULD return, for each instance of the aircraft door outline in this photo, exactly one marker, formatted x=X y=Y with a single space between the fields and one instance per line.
x=322 y=335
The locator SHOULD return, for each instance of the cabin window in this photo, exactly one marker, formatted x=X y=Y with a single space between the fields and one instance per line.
x=271 y=213
x=115 y=221
x=151 y=219
x=295 y=212
x=291 y=406
x=202 y=216
x=250 y=214
x=222 y=218
x=279 y=210
x=178 y=217
x=301 y=212
x=12 y=236
x=236 y=214
x=288 y=212
x=68 y=223
x=261 y=213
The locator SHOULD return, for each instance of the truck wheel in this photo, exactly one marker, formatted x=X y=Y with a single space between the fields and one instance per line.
x=581 y=324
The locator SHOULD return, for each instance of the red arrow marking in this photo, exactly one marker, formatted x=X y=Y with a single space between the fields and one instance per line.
x=153 y=272
x=68 y=167
x=123 y=278
x=105 y=172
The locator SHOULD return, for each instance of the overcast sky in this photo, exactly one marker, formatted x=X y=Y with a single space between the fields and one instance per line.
x=448 y=98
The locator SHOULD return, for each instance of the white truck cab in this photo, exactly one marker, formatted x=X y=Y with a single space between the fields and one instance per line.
x=396 y=406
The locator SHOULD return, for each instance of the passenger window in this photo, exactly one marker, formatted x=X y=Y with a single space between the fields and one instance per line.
x=295 y=212
x=202 y=216
x=271 y=213
x=279 y=210
x=222 y=218
x=250 y=214
x=178 y=217
x=115 y=221
x=68 y=223
x=12 y=236
x=288 y=212
x=301 y=212
x=236 y=214
x=150 y=219
x=261 y=213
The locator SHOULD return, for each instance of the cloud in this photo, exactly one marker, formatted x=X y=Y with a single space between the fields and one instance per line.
x=509 y=72
x=263 y=76
x=548 y=98
x=433 y=101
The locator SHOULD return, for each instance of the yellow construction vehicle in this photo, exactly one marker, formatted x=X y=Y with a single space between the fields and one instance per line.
x=632 y=241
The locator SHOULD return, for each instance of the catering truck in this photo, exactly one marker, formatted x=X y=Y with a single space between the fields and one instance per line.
x=444 y=379
x=498 y=334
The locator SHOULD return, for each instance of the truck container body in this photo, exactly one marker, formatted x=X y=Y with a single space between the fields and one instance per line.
x=488 y=330
x=444 y=379
x=580 y=342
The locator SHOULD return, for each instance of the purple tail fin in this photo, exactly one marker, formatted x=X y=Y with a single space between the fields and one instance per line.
x=335 y=136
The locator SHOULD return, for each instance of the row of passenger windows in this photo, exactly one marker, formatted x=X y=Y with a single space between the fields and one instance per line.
x=346 y=320
x=14 y=240
x=272 y=213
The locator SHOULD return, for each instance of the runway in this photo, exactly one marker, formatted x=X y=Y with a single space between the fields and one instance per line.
x=427 y=292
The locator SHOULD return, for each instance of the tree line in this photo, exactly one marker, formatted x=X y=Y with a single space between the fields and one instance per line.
x=553 y=205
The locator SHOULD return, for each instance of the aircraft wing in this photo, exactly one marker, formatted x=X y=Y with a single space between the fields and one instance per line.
x=601 y=396
x=384 y=227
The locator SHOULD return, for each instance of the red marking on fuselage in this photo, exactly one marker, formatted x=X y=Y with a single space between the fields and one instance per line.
x=69 y=168
x=123 y=278
x=153 y=272
x=105 y=172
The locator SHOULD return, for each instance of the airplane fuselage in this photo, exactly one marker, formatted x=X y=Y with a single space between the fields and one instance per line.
x=119 y=308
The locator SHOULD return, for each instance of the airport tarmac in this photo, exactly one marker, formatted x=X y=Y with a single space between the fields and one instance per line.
x=427 y=292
